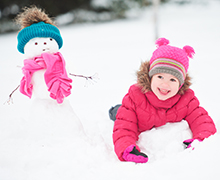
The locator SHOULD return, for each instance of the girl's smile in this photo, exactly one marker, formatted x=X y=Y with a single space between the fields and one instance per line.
x=164 y=85
x=163 y=91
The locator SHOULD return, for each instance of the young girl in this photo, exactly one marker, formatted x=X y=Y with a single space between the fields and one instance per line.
x=161 y=95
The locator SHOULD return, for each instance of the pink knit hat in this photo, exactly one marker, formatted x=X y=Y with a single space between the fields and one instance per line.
x=170 y=59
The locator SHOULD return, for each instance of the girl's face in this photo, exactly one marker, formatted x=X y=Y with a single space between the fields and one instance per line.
x=164 y=85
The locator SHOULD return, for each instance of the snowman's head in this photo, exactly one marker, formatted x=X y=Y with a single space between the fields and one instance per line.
x=37 y=46
x=39 y=38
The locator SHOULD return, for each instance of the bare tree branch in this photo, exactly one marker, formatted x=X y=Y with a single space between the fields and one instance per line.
x=93 y=78
x=10 y=99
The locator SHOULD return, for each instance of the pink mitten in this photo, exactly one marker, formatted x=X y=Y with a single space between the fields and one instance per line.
x=191 y=143
x=132 y=154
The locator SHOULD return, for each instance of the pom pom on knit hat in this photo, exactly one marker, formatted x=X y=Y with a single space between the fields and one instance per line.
x=162 y=41
x=170 y=59
x=189 y=51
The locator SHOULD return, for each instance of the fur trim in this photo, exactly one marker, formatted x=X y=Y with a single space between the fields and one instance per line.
x=144 y=81
x=32 y=15
x=143 y=78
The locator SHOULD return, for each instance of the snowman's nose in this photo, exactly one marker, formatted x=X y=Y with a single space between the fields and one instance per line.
x=45 y=43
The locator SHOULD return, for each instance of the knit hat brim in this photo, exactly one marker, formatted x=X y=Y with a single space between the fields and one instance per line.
x=40 y=29
x=168 y=70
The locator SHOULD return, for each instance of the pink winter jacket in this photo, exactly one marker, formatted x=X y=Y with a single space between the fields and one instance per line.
x=55 y=76
x=142 y=111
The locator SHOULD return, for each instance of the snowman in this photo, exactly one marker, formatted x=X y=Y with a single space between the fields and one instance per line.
x=45 y=78
x=44 y=66
x=50 y=138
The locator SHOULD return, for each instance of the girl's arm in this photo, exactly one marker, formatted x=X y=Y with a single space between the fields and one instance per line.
x=125 y=132
x=199 y=121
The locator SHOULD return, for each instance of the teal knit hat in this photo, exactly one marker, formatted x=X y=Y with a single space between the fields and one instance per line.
x=40 y=29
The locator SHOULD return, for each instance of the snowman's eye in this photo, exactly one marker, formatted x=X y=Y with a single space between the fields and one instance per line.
x=51 y=39
x=36 y=43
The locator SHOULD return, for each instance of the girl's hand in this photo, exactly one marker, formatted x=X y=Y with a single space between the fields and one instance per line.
x=191 y=143
x=133 y=155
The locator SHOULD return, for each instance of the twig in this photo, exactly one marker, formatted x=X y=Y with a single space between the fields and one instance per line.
x=10 y=100
x=93 y=78
x=86 y=77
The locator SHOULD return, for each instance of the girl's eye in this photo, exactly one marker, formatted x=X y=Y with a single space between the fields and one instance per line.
x=160 y=77
x=173 y=80
x=36 y=43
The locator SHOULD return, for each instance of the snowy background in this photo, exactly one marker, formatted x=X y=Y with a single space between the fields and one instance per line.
x=40 y=140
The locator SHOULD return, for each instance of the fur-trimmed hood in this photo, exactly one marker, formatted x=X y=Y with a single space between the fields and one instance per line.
x=144 y=80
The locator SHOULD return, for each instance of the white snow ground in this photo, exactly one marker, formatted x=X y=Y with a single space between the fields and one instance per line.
x=37 y=138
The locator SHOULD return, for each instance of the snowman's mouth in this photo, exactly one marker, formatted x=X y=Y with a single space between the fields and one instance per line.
x=47 y=49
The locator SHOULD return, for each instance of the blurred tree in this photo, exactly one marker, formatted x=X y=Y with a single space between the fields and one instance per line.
x=80 y=10
x=53 y=7
x=156 y=4
x=9 y=8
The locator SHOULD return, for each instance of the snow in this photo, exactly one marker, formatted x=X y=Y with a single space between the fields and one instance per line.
x=42 y=140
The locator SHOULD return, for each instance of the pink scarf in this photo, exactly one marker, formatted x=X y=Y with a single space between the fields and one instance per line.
x=56 y=78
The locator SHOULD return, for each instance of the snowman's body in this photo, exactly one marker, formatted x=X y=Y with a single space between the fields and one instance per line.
x=40 y=89
x=44 y=109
